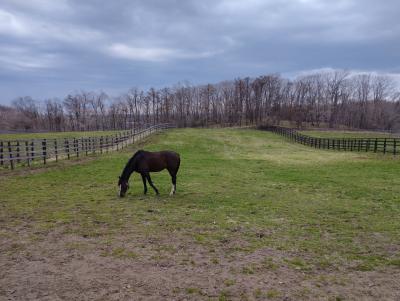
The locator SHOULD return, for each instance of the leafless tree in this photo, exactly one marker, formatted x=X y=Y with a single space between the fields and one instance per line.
x=328 y=99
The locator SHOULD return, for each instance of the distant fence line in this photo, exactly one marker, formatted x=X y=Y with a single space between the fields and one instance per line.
x=25 y=152
x=376 y=145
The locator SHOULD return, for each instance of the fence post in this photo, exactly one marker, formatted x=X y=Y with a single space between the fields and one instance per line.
x=33 y=153
x=101 y=144
x=10 y=154
x=44 y=153
x=66 y=142
x=93 y=143
x=56 y=149
x=85 y=145
x=376 y=145
x=1 y=153
x=384 y=146
x=27 y=152
x=18 y=154
x=76 y=145
x=394 y=146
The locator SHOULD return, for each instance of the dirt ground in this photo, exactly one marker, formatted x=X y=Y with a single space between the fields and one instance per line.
x=61 y=266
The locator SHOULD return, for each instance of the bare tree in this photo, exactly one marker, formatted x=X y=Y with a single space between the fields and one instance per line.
x=333 y=99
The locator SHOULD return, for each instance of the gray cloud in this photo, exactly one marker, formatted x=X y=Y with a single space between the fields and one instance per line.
x=49 y=48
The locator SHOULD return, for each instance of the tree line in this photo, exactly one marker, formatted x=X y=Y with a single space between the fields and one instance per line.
x=326 y=99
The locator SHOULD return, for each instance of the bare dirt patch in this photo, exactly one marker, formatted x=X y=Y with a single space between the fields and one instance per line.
x=133 y=266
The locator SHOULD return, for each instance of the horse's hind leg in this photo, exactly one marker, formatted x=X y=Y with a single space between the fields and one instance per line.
x=173 y=189
x=151 y=183
x=144 y=183
x=173 y=178
x=173 y=170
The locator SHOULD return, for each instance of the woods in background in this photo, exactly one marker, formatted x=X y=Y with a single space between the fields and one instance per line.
x=330 y=99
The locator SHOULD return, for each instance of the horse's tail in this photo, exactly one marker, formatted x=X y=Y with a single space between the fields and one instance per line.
x=179 y=163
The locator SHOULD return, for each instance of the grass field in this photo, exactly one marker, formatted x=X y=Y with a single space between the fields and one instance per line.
x=52 y=135
x=347 y=134
x=255 y=217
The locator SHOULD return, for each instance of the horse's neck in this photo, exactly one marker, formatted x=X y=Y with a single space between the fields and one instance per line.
x=128 y=170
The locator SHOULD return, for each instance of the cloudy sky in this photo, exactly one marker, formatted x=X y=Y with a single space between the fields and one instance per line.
x=54 y=47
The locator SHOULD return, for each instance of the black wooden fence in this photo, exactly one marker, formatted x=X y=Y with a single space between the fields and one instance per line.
x=27 y=152
x=376 y=145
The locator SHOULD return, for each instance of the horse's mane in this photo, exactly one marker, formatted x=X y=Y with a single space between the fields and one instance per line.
x=130 y=166
x=140 y=151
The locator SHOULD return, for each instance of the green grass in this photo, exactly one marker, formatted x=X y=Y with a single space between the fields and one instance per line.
x=346 y=134
x=329 y=208
x=52 y=135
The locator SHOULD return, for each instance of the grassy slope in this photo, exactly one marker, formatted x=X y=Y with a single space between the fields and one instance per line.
x=331 y=208
x=52 y=135
x=346 y=134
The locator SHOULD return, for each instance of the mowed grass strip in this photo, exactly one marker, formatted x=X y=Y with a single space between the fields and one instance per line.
x=250 y=187
x=54 y=135
x=347 y=134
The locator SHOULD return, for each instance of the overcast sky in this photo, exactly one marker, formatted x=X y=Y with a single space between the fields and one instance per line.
x=54 y=47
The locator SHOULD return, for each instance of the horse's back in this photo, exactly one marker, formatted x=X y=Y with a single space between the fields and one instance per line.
x=170 y=154
x=163 y=154
x=171 y=158
x=157 y=161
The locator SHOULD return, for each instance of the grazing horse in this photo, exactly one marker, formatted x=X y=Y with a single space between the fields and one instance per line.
x=145 y=162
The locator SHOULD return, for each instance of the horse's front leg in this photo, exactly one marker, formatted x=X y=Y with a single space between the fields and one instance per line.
x=173 y=189
x=144 y=183
x=151 y=183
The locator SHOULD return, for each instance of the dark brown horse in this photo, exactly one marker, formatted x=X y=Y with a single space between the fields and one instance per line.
x=145 y=162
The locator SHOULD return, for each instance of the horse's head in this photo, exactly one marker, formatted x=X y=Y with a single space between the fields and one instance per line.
x=123 y=187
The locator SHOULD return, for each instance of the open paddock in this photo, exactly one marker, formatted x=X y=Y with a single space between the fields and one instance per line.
x=255 y=217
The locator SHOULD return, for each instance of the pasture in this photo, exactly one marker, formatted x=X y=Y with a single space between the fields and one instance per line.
x=254 y=217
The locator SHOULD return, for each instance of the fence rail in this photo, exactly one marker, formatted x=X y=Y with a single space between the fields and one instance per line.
x=376 y=145
x=25 y=152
